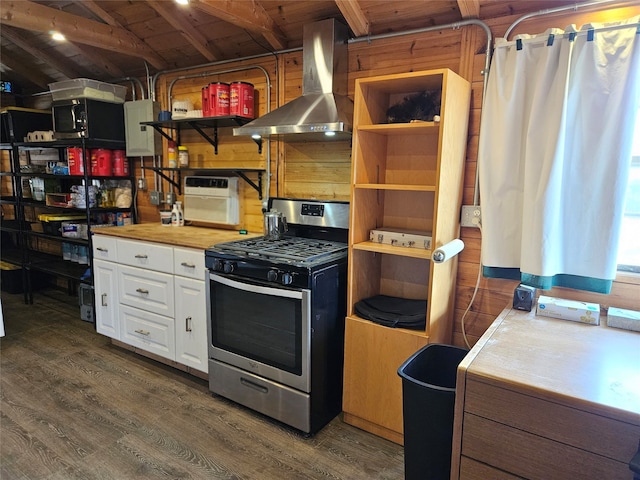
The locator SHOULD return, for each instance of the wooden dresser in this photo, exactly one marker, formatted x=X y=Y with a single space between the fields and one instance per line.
x=541 y=398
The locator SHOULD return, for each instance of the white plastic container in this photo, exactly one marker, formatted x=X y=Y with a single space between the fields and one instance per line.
x=177 y=216
x=87 y=88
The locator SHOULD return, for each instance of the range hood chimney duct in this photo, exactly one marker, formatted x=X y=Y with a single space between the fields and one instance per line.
x=324 y=108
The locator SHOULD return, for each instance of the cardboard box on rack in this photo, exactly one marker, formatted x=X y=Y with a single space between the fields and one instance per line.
x=568 y=310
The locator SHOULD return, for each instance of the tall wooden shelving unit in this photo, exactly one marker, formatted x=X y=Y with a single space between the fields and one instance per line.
x=406 y=176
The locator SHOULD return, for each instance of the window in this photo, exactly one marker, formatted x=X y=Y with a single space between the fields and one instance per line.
x=629 y=248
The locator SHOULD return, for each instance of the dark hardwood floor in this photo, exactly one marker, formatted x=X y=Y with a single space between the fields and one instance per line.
x=74 y=406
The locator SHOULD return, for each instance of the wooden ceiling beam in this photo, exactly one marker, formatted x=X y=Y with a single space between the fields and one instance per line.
x=57 y=63
x=469 y=8
x=39 y=18
x=33 y=76
x=248 y=15
x=101 y=61
x=355 y=17
x=194 y=37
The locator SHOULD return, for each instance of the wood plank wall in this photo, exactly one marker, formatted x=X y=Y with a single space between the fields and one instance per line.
x=322 y=170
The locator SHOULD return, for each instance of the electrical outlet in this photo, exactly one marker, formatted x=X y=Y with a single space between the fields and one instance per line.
x=170 y=198
x=142 y=183
x=471 y=216
x=154 y=198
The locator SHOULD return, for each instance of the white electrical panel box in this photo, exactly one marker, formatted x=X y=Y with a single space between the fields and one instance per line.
x=142 y=140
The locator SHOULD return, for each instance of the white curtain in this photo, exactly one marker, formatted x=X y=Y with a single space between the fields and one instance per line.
x=555 y=152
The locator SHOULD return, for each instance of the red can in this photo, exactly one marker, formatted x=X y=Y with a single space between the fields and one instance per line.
x=241 y=103
x=206 y=111
x=120 y=164
x=75 y=160
x=101 y=162
x=219 y=99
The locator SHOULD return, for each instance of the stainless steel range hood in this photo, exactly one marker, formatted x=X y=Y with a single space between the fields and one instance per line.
x=324 y=106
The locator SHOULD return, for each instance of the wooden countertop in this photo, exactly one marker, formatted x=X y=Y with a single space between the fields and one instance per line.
x=594 y=368
x=190 y=237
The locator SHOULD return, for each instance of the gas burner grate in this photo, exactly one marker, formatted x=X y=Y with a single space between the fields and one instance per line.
x=298 y=249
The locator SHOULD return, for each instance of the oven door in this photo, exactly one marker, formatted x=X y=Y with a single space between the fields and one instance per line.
x=261 y=329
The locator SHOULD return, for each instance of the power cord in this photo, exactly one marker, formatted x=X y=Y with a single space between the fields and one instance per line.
x=475 y=291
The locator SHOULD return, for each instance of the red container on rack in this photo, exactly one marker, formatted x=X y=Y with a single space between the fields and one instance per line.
x=120 y=164
x=206 y=111
x=241 y=102
x=219 y=99
x=75 y=161
x=101 y=162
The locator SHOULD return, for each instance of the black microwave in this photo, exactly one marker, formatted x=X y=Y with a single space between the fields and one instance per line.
x=84 y=117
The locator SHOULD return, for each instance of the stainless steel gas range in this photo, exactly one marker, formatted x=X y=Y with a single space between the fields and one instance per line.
x=276 y=313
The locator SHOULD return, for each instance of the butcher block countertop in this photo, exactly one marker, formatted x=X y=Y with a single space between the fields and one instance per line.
x=189 y=237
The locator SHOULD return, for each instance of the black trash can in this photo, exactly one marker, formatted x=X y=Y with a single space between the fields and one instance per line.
x=428 y=397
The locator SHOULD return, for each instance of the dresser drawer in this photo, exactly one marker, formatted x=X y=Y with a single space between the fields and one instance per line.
x=105 y=248
x=188 y=262
x=534 y=457
x=147 y=290
x=148 y=331
x=146 y=255
x=590 y=432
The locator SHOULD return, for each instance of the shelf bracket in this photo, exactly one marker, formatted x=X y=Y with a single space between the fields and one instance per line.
x=258 y=187
x=158 y=129
x=259 y=143
x=213 y=141
x=169 y=179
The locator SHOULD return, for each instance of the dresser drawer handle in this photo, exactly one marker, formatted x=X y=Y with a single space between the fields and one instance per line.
x=141 y=256
x=142 y=290
x=188 y=265
x=102 y=249
x=143 y=332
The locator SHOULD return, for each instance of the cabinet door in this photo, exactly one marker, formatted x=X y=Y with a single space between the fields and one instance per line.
x=106 y=290
x=191 y=323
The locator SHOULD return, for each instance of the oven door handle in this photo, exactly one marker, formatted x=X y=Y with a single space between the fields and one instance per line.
x=250 y=287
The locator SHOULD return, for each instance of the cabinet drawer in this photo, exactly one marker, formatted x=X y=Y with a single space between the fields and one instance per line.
x=533 y=457
x=593 y=433
x=105 y=248
x=148 y=331
x=188 y=262
x=146 y=255
x=147 y=290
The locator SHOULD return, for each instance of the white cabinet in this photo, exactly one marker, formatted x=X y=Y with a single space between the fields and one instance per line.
x=106 y=298
x=154 y=298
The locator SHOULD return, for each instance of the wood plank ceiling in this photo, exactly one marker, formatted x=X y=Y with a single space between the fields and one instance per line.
x=113 y=39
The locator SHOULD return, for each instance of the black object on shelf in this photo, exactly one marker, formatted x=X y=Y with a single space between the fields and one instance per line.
x=428 y=397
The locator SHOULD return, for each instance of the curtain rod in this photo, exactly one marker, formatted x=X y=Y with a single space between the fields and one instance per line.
x=575 y=7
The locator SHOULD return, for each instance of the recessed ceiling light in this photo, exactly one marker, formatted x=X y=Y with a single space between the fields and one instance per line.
x=182 y=2
x=58 y=37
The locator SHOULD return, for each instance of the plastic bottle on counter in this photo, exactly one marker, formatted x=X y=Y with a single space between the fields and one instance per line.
x=172 y=155
x=177 y=217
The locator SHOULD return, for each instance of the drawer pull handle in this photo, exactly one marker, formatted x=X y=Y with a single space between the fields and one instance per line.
x=188 y=265
x=255 y=386
x=102 y=249
x=143 y=332
x=142 y=290
x=140 y=255
x=188 y=324
x=104 y=299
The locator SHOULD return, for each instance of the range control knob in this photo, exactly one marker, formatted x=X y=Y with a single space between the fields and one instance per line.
x=287 y=278
x=218 y=265
x=229 y=267
x=272 y=275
